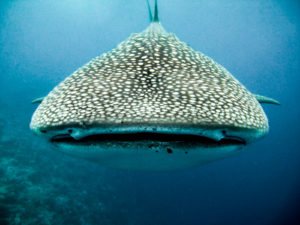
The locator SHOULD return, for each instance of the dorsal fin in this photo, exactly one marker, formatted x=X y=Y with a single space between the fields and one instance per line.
x=154 y=19
x=264 y=99
x=149 y=11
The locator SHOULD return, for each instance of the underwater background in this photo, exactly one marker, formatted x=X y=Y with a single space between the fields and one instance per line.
x=43 y=41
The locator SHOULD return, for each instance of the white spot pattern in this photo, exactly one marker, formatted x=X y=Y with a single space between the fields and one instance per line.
x=151 y=78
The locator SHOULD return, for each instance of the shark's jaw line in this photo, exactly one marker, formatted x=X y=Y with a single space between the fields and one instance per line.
x=148 y=137
x=147 y=132
x=148 y=151
x=150 y=148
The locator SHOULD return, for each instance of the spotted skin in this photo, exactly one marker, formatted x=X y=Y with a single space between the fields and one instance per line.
x=151 y=78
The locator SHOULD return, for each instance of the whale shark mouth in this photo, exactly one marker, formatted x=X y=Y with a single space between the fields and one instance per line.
x=147 y=137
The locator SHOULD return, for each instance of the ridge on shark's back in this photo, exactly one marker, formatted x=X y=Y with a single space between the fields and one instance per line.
x=152 y=103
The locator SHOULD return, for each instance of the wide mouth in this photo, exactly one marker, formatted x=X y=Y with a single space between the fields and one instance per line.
x=147 y=137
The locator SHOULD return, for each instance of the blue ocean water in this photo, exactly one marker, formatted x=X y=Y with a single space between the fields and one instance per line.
x=42 y=42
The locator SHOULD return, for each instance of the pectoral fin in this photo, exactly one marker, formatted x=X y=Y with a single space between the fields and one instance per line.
x=264 y=99
x=37 y=100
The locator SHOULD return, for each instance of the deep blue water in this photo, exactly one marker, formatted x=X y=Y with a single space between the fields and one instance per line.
x=41 y=42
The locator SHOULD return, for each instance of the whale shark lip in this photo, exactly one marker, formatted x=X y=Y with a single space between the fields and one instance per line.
x=147 y=137
x=149 y=147
x=151 y=133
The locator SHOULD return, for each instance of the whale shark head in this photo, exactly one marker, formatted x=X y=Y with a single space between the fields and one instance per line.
x=152 y=103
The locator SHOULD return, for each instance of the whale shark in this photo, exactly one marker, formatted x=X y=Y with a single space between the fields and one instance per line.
x=152 y=103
